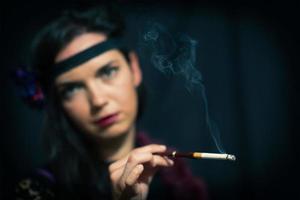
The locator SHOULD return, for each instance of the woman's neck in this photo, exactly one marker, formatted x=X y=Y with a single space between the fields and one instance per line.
x=117 y=148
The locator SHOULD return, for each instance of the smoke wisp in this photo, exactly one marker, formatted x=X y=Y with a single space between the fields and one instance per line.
x=175 y=55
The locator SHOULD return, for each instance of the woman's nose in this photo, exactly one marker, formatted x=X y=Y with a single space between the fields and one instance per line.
x=97 y=97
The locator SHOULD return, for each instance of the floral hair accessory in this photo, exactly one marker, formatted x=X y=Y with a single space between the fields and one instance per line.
x=28 y=88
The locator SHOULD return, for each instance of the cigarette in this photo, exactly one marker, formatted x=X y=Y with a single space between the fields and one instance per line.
x=198 y=155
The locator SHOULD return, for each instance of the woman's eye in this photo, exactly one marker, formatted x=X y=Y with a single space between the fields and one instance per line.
x=108 y=72
x=69 y=91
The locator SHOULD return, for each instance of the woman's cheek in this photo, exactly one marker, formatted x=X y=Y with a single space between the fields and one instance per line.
x=76 y=109
x=131 y=102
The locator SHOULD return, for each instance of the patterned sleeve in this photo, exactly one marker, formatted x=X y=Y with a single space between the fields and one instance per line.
x=34 y=188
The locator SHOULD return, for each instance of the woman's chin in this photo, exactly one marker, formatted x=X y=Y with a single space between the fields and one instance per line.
x=110 y=132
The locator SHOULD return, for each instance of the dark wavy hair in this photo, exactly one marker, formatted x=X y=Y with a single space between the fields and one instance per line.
x=74 y=164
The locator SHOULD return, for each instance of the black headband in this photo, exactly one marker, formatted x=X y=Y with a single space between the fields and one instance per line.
x=84 y=56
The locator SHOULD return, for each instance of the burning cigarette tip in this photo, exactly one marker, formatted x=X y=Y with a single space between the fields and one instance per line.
x=231 y=157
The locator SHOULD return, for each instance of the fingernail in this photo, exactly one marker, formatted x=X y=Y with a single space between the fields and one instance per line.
x=171 y=161
x=163 y=146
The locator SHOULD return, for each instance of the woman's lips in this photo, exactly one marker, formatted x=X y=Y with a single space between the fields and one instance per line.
x=107 y=120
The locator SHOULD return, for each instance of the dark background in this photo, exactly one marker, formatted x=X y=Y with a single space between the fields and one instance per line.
x=247 y=52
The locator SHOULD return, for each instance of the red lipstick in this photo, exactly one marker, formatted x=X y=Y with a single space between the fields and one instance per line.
x=107 y=120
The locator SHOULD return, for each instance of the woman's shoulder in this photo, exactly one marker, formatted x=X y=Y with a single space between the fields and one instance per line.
x=38 y=184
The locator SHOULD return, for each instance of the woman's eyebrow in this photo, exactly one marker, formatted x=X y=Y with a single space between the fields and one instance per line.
x=105 y=65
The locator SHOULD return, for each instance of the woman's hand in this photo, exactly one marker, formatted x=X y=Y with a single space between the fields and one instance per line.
x=132 y=175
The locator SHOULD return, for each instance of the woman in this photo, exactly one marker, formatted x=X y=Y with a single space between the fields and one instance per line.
x=90 y=82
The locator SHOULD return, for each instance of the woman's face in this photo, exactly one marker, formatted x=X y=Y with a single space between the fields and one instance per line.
x=99 y=96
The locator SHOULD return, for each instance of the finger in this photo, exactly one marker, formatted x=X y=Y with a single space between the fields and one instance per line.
x=170 y=161
x=161 y=161
x=118 y=169
x=137 y=158
x=118 y=164
x=153 y=148
x=149 y=159
x=133 y=160
x=134 y=175
x=115 y=175
x=153 y=165
x=156 y=161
